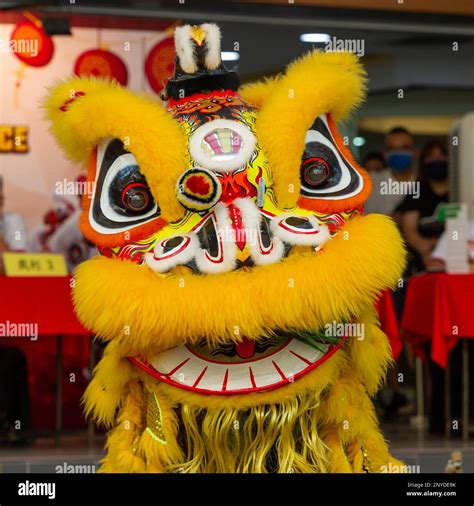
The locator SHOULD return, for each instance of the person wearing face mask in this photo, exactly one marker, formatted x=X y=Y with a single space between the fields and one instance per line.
x=403 y=206
x=400 y=155
x=419 y=231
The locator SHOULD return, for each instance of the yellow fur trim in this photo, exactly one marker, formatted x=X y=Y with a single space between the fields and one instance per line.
x=356 y=457
x=256 y=93
x=372 y=355
x=350 y=417
x=338 y=462
x=122 y=442
x=142 y=124
x=306 y=290
x=318 y=83
x=105 y=392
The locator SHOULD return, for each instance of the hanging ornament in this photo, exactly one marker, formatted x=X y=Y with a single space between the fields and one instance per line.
x=159 y=64
x=31 y=44
x=101 y=63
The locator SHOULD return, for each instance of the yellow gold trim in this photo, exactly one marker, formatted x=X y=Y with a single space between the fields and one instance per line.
x=154 y=419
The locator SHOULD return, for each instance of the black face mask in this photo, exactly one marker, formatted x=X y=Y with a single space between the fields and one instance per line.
x=437 y=170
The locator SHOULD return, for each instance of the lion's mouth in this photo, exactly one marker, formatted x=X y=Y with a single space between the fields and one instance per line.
x=237 y=368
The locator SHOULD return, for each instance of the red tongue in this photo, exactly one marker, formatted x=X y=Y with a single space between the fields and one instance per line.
x=246 y=348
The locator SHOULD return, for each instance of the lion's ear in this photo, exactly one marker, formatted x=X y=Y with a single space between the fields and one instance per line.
x=69 y=107
x=84 y=111
x=257 y=92
x=310 y=75
x=317 y=84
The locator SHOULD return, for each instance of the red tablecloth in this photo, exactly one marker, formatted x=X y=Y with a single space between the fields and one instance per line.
x=388 y=322
x=47 y=302
x=439 y=307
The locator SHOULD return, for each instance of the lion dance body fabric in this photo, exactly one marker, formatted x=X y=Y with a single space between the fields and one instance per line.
x=233 y=250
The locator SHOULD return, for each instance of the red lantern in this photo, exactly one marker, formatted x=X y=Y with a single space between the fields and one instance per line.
x=159 y=65
x=31 y=44
x=101 y=63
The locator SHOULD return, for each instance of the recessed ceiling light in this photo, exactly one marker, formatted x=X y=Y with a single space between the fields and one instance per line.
x=315 y=37
x=230 y=55
x=358 y=141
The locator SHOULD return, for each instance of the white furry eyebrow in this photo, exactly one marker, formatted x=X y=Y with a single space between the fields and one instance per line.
x=184 y=48
x=213 y=45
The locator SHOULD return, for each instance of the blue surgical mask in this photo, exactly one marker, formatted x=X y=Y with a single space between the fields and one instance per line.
x=437 y=170
x=400 y=161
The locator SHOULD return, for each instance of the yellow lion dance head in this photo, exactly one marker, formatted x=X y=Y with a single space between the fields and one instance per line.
x=235 y=262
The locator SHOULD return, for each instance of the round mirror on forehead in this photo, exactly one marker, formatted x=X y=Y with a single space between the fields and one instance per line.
x=222 y=145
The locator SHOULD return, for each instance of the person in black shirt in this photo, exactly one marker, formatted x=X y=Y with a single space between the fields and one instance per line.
x=418 y=226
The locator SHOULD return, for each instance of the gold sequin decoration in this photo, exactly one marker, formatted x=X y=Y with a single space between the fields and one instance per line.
x=155 y=419
x=135 y=442
x=367 y=464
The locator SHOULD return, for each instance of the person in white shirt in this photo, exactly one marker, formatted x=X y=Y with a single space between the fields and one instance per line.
x=68 y=240
x=13 y=234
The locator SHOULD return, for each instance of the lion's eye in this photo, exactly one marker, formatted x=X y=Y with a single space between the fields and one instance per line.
x=122 y=198
x=315 y=171
x=129 y=193
x=324 y=172
x=136 y=197
x=318 y=165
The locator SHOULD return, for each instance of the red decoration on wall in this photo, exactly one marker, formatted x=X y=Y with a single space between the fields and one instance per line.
x=159 y=64
x=31 y=44
x=101 y=63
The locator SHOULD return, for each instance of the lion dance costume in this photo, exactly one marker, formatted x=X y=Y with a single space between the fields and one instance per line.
x=232 y=242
